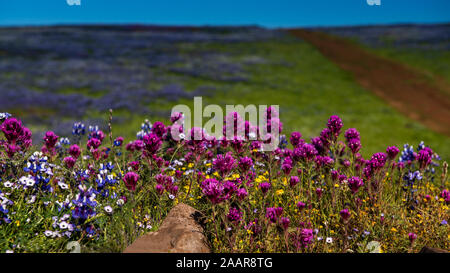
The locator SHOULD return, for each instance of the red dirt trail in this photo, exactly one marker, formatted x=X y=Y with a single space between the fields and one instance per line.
x=405 y=89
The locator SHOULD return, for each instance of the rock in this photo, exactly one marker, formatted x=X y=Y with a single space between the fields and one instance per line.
x=426 y=249
x=180 y=232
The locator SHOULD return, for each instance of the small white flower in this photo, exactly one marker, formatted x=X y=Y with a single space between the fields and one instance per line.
x=63 y=225
x=171 y=196
x=9 y=251
x=30 y=182
x=48 y=233
x=148 y=227
x=63 y=186
x=31 y=199
x=108 y=209
x=8 y=184
x=329 y=240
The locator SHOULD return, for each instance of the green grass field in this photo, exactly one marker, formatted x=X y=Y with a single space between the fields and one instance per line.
x=308 y=88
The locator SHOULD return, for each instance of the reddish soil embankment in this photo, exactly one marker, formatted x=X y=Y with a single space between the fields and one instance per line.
x=407 y=90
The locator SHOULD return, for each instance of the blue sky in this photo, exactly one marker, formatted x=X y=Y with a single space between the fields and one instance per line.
x=275 y=13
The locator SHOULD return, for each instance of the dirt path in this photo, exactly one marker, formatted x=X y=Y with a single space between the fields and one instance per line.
x=405 y=89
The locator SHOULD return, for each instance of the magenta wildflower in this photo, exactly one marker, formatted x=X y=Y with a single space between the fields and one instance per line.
x=134 y=165
x=50 y=139
x=294 y=180
x=176 y=116
x=377 y=161
x=163 y=179
x=296 y=139
x=224 y=163
x=11 y=150
x=354 y=183
x=326 y=136
x=93 y=144
x=234 y=215
x=75 y=151
x=245 y=163
x=424 y=157
x=285 y=221
x=392 y=152
x=159 y=189
x=412 y=237
x=69 y=161
x=214 y=190
x=324 y=161
x=229 y=188
x=445 y=194
x=319 y=192
x=351 y=133
x=318 y=144
x=286 y=167
x=130 y=180
x=152 y=143
x=12 y=129
x=354 y=145
x=301 y=205
x=273 y=213
x=306 y=237
x=334 y=175
x=345 y=214
x=335 y=124
x=241 y=193
x=305 y=152
x=265 y=186
x=98 y=135
x=25 y=139
x=159 y=129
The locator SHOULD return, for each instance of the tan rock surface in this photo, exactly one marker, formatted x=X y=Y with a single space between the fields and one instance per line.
x=180 y=232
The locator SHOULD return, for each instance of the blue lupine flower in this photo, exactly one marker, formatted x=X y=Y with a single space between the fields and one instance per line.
x=93 y=128
x=78 y=129
x=146 y=127
x=283 y=142
x=407 y=154
x=421 y=146
x=4 y=115
x=84 y=204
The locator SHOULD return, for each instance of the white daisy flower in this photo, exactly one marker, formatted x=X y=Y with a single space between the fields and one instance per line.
x=30 y=182
x=63 y=225
x=108 y=209
x=63 y=186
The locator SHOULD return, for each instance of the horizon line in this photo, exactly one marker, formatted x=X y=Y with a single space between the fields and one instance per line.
x=136 y=24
